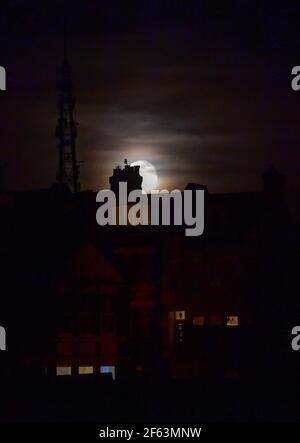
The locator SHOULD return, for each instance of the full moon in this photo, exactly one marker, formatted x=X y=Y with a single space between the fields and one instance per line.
x=148 y=172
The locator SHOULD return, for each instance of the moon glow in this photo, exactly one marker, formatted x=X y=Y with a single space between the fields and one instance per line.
x=149 y=174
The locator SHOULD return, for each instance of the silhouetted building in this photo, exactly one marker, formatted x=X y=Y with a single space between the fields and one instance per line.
x=128 y=174
x=129 y=300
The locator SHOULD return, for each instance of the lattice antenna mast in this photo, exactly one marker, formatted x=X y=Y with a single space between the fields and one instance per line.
x=66 y=129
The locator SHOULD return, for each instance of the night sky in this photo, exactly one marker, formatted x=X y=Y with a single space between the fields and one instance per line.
x=200 y=89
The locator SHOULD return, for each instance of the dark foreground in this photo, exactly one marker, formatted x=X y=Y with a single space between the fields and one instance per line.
x=198 y=400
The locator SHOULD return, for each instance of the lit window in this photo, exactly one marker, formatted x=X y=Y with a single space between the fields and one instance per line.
x=198 y=321
x=179 y=315
x=63 y=370
x=108 y=370
x=85 y=370
x=232 y=320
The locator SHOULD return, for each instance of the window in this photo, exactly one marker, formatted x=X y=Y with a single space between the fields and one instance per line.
x=85 y=370
x=89 y=315
x=215 y=320
x=108 y=370
x=63 y=370
x=198 y=320
x=179 y=315
x=232 y=320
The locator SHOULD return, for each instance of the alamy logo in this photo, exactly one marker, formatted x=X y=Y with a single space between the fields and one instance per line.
x=295 y=343
x=2 y=79
x=2 y=339
x=153 y=209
